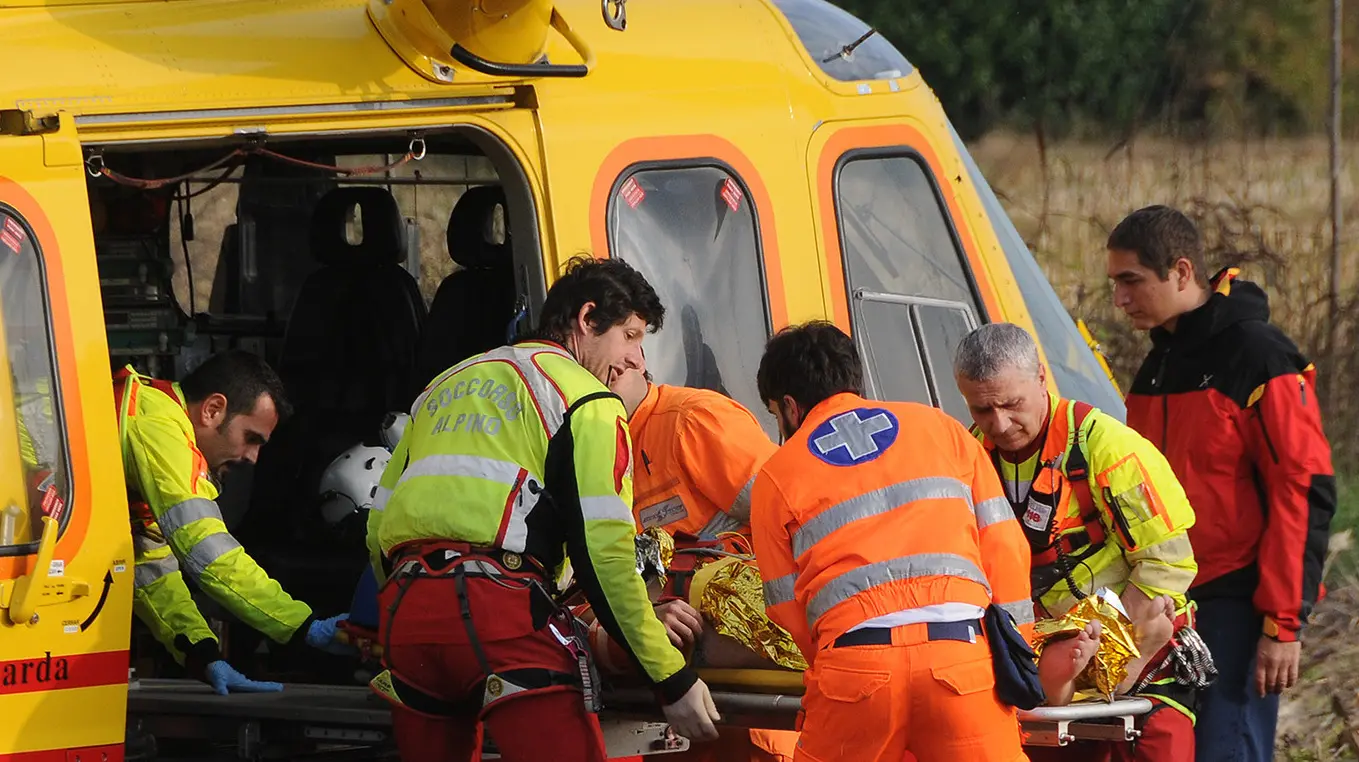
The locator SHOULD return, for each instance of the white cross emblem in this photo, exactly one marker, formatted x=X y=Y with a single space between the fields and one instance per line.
x=853 y=434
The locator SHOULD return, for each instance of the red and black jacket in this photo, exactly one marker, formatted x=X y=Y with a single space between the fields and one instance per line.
x=1231 y=402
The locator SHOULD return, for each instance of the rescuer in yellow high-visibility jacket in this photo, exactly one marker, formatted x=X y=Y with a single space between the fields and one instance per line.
x=175 y=438
x=1100 y=507
x=514 y=460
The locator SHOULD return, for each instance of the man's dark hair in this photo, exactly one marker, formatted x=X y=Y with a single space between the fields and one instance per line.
x=810 y=363
x=613 y=285
x=239 y=376
x=1161 y=236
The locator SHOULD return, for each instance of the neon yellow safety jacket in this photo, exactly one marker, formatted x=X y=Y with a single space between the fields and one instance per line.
x=178 y=531
x=1101 y=507
x=523 y=449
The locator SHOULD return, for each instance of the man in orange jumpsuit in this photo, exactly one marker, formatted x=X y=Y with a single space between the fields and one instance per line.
x=697 y=452
x=883 y=536
x=695 y=455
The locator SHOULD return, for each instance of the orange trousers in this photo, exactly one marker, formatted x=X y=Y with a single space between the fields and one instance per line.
x=914 y=700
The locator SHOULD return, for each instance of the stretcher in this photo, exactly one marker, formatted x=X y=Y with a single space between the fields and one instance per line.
x=341 y=719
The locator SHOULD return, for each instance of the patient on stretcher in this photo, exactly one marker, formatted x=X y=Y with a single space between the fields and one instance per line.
x=709 y=595
x=708 y=592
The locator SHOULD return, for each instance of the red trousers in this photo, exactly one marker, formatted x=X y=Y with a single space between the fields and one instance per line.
x=428 y=647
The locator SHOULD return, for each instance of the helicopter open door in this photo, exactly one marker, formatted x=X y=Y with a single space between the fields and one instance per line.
x=65 y=558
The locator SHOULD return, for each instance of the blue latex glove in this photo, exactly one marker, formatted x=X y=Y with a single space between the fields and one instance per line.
x=321 y=635
x=225 y=679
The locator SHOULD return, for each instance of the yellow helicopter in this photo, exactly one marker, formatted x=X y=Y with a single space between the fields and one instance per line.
x=365 y=191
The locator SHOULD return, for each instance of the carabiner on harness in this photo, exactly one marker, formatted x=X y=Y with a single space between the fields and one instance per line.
x=576 y=645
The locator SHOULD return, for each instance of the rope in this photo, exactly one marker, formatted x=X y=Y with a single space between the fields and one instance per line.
x=96 y=167
x=94 y=164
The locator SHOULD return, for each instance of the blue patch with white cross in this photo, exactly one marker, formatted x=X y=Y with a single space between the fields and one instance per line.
x=854 y=437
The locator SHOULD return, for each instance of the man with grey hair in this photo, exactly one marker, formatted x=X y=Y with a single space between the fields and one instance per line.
x=1100 y=508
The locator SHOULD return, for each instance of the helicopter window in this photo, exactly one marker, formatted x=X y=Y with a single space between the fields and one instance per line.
x=842 y=45
x=32 y=438
x=913 y=297
x=692 y=232
x=1074 y=366
x=895 y=232
x=891 y=331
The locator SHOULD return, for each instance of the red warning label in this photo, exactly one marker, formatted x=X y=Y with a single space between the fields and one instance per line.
x=731 y=193
x=52 y=504
x=12 y=235
x=632 y=192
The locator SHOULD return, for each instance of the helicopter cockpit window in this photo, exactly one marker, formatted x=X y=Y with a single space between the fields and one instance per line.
x=35 y=480
x=842 y=45
x=692 y=232
x=1072 y=362
x=912 y=300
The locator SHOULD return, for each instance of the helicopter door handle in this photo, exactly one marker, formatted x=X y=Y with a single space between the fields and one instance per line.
x=37 y=588
x=493 y=68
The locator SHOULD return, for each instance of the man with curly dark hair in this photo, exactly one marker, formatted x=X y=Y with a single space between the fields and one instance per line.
x=510 y=457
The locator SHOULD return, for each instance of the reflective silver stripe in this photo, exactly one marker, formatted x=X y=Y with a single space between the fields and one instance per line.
x=474 y=466
x=540 y=387
x=380 y=498
x=522 y=504
x=876 y=503
x=143 y=544
x=1018 y=492
x=502 y=472
x=1172 y=550
x=856 y=581
x=718 y=524
x=442 y=377
x=185 y=513
x=147 y=572
x=1022 y=611
x=994 y=511
x=740 y=507
x=779 y=590
x=512 y=354
x=550 y=400
x=606 y=508
x=208 y=549
x=1162 y=576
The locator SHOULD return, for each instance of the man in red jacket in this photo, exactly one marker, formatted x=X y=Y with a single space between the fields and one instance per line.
x=1231 y=402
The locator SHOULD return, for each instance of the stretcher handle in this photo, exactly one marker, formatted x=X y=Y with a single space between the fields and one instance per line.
x=1087 y=710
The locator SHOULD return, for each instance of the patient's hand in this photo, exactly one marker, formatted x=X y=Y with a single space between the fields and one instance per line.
x=682 y=622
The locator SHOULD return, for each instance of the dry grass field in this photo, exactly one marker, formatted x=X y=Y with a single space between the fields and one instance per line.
x=1262 y=204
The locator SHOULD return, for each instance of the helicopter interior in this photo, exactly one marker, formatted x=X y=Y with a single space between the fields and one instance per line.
x=358 y=268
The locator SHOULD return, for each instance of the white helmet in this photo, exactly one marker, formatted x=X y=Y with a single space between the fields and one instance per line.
x=393 y=426
x=350 y=482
